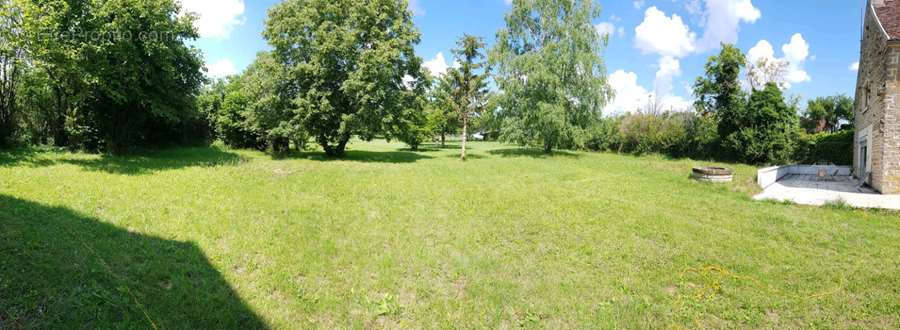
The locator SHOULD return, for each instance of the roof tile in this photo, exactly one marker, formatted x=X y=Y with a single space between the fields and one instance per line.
x=889 y=15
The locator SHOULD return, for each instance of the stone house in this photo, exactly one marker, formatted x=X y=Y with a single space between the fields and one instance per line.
x=876 y=154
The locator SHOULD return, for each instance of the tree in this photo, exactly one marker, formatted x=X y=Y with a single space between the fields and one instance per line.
x=767 y=70
x=440 y=115
x=468 y=93
x=827 y=113
x=551 y=73
x=123 y=74
x=269 y=110
x=346 y=62
x=11 y=67
x=769 y=129
x=719 y=92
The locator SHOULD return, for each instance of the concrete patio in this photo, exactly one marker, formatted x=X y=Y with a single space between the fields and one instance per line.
x=820 y=185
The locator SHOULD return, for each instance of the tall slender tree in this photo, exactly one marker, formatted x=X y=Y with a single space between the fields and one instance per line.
x=10 y=70
x=550 y=69
x=469 y=83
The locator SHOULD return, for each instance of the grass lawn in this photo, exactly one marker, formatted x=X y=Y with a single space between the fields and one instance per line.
x=387 y=238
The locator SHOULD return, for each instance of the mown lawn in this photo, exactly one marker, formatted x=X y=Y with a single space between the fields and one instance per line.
x=387 y=238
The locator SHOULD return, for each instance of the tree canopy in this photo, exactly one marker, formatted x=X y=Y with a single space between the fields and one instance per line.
x=548 y=64
x=346 y=64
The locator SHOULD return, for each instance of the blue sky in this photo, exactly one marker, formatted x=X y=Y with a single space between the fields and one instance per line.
x=656 y=47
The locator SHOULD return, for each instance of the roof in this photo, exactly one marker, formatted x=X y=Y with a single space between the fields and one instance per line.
x=889 y=16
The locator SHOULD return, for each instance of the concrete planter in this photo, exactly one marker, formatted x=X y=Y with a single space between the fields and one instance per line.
x=713 y=174
x=768 y=176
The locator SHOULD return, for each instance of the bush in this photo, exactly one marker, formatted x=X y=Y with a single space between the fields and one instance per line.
x=677 y=134
x=830 y=148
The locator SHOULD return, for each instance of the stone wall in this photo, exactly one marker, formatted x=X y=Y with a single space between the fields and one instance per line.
x=879 y=76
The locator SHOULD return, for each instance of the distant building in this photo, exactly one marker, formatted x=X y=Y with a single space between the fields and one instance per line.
x=876 y=154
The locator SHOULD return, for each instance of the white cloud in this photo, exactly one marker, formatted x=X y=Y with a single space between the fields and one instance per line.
x=721 y=20
x=669 y=68
x=438 y=65
x=638 y=4
x=215 y=18
x=663 y=35
x=508 y=2
x=795 y=54
x=621 y=32
x=606 y=28
x=632 y=97
x=416 y=7
x=854 y=66
x=221 y=69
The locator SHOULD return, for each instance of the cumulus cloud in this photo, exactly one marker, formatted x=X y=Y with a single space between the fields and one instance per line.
x=669 y=68
x=795 y=54
x=664 y=35
x=215 y=18
x=638 y=4
x=632 y=97
x=629 y=95
x=438 y=65
x=854 y=66
x=721 y=20
x=221 y=69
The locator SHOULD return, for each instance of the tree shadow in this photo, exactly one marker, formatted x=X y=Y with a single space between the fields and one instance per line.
x=361 y=156
x=64 y=270
x=27 y=157
x=136 y=164
x=533 y=153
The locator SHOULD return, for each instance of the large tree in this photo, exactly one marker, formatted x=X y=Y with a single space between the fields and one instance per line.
x=468 y=83
x=440 y=115
x=123 y=73
x=769 y=128
x=10 y=70
x=719 y=92
x=346 y=62
x=551 y=72
x=828 y=113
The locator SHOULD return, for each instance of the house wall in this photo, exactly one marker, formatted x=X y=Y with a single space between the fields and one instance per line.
x=879 y=82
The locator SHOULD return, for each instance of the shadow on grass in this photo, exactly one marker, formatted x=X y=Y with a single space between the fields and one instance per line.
x=23 y=157
x=137 y=164
x=64 y=270
x=533 y=153
x=363 y=156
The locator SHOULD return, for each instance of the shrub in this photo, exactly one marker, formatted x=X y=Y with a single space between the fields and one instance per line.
x=831 y=148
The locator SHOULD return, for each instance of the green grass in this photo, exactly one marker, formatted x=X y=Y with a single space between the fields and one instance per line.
x=387 y=238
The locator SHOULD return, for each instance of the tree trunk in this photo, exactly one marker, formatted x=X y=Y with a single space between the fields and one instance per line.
x=443 y=138
x=335 y=151
x=465 y=136
x=548 y=148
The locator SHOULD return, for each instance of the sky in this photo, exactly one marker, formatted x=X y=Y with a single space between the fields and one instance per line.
x=656 y=47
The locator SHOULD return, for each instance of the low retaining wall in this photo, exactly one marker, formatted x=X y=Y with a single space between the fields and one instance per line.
x=769 y=175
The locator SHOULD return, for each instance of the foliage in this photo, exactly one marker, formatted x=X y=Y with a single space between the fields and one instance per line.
x=826 y=148
x=121 y=73
x=769 y=128
x=11 y=70
x=828 y=114
x=345 y=64
x=468 y=83
x=677 y=134
x=549 y=66
x=719 y=92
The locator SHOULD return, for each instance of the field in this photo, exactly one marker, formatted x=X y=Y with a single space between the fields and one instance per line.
x=388 y=238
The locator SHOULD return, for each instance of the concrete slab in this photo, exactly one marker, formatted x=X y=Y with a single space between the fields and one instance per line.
x=814 y=190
